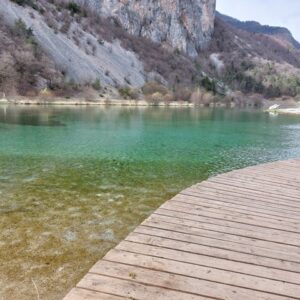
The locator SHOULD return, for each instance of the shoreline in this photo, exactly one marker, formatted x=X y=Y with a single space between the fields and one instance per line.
x=288 y=111
x=102 y=102
x=110 y=102
x=133 y=103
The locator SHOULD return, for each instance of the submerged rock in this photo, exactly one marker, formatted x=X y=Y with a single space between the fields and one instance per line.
x=108 y=235
x=70 y=236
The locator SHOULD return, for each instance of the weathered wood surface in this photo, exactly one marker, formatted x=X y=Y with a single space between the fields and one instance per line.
x=235 y=236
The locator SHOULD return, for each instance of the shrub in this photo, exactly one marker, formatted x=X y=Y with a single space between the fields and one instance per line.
x=20 y=29
x=197 y=97
x=153 y=87
x=30 y=3
x=209 y=84
x=169 y=97
x=96 y=85
x=74 y=8
x=128 y=93
x=65 y=27
x=156 y=97
x=208 y=98
x=182 y=93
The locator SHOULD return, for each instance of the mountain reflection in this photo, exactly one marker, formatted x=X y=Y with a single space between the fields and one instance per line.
x=30 y=116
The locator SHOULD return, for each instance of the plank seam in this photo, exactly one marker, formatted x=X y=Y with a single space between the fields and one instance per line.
x=259 y=255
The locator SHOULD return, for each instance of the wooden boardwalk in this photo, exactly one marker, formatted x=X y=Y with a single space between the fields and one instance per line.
x=235 y=236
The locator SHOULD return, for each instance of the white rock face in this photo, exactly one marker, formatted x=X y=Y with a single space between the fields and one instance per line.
x=72 y=59
x=184 y=24
x=215 y=60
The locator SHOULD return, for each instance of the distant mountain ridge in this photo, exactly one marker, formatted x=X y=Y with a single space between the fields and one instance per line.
x=280 y=33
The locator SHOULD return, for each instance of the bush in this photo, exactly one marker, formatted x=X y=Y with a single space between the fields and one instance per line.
x=128 y=93
x=156 y=97
x=153 y=87
x=96 y=85
x=30 y=3
x=182 y=94
x=20 y=29
x=74 y=8
x=208 y=98
x=169 y=97
x=197 y=97
x=209 y=84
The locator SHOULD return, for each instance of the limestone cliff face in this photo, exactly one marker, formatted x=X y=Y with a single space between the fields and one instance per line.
x=183 y=24
x=72 y=58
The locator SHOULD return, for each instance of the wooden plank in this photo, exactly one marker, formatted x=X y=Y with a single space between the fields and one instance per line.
x=246 y=192
x=169 y=231
x=257 y=187
x=232 y=227
x=190 y=286
x=281 y=170
x=253 y=204
x=243 y=219
x=290 y=205
x=235 y=236
x=131 y=289
x=249 y=203
x=84 y=294
x=238 y=205
x=192 y=258
x=166 y=280
x=227 y=185
x=261 y=179
x=263 y=175
x=221 y=233
x=205 y=252
x=190 y=271
x=236 y=211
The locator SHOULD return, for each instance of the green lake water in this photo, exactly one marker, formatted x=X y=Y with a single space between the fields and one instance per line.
x=76 y=180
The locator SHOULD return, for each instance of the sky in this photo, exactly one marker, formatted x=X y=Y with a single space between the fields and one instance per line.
x=285 y=13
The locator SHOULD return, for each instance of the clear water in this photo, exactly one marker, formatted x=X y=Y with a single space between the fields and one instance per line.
x=74 y=181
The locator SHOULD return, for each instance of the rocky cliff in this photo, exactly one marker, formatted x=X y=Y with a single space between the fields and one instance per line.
x=106 y=47
x=75 y=59
x=181 y=24
x=87 y=47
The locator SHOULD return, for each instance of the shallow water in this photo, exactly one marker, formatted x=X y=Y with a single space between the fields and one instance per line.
x=74 y=181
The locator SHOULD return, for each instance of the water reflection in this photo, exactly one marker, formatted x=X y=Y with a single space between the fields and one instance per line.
x=29 y=116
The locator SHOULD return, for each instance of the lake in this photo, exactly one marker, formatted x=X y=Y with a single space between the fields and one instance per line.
x=76 y=180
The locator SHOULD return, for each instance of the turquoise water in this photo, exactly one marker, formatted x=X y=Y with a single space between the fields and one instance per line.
x=76 y=180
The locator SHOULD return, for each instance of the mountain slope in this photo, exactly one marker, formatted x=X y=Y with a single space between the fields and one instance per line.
x=76 y=52
x=253 y=63
x=161 y=50
x=281 y=34
x=23 y=64
x=87 y=46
